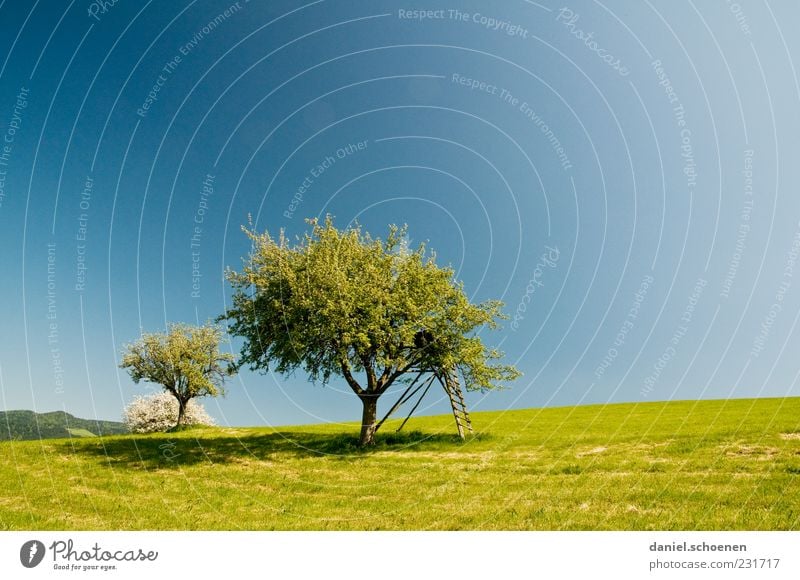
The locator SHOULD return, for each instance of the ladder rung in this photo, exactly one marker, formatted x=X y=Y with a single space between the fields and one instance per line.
x=451 y=386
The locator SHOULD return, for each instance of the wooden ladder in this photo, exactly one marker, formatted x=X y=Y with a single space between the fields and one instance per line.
x=452 y=387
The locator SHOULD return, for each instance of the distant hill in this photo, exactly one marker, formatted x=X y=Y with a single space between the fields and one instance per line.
x=26 y=425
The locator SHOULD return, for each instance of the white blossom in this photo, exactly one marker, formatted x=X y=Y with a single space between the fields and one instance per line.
x=158 y=413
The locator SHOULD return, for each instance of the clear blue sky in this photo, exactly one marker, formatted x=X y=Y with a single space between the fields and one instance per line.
x=623 y=175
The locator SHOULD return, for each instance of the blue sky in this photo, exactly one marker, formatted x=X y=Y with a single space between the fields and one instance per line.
x=623 y=176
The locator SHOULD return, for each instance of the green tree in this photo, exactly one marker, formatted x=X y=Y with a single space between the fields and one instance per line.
x=340 y=302
x=185 y=360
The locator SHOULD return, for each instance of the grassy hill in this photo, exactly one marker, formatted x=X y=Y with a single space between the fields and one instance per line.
x=656 y=466
x=23 y=425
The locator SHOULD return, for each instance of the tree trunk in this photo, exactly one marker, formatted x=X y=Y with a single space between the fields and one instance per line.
x=369 y=418
x=181 y=412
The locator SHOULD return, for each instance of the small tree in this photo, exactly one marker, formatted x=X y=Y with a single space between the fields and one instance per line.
x=185 y=360
x=344 y=303
x=158 y=413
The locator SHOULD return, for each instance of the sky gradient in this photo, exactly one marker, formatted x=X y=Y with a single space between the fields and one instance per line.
x=623 y=176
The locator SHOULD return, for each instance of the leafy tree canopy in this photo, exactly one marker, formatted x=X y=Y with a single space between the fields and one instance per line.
x=340 y=302
x=185 y=360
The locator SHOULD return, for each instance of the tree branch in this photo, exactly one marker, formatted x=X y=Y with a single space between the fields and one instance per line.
x=392 y=377
x=387 y=372
x=348 y=376
x=372 y=380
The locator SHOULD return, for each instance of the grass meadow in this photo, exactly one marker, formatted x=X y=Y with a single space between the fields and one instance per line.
x=710 y=465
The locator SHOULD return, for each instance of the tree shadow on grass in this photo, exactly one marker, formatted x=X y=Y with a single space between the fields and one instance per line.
x=216 y=446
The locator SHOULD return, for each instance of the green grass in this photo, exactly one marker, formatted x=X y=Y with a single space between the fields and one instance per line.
x=656 y=466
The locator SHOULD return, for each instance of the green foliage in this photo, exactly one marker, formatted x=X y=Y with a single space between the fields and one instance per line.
x=20 y=425
x=185 y=360
x=340 y=302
